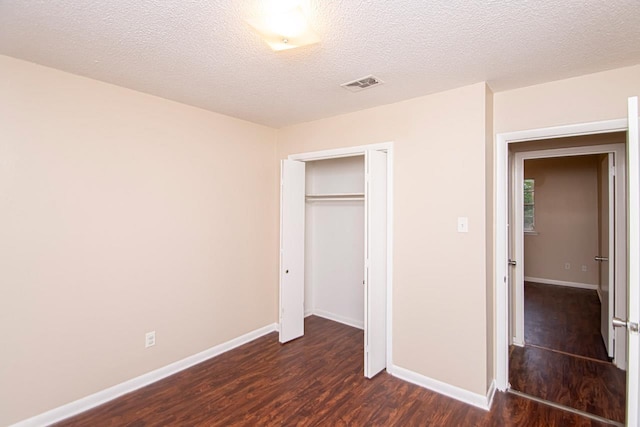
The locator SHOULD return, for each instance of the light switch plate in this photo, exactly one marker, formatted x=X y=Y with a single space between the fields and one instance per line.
x=463 y=224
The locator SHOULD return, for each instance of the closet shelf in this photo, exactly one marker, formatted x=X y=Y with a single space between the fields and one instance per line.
x=334 y=197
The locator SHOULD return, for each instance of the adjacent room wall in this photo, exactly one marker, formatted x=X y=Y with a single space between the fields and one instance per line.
x=439 y=175
x=123 y=213
x=566 y=220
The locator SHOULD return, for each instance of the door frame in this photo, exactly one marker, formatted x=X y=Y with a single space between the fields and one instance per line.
x=619 y=231
x=360 y=151
x=501 y=207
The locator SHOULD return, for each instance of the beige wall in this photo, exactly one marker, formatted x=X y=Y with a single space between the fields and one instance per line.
x=439 y=173
x=566 y=219
x=123 y=213
x=588 y=98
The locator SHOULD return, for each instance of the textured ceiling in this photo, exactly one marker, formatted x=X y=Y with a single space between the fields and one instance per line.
x=203 y=53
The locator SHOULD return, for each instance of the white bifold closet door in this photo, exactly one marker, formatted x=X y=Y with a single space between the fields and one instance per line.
x=292 y=189
x=292 y=234
x=375 y=295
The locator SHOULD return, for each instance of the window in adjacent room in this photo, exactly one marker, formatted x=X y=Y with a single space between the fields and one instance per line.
x=529 y=207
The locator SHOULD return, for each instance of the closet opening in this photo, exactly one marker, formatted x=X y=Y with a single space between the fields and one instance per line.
x=335 y=250
x=334 y=240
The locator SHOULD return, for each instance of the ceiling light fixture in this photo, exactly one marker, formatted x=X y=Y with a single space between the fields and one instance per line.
x=283 y=26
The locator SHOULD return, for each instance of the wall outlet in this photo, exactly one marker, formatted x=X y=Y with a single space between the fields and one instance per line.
x=584 y=268
x=149 y=339
x=567 y=266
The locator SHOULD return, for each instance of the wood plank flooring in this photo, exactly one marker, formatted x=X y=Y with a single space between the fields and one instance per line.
x=564 y=360
x=583 y=384
x=316 y=380
x=564 y=319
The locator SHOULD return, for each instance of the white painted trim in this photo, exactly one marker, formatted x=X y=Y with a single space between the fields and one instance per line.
x=465 y=396
x=517 y=342
x=340 y=319
x=633 y=314
x=341 y=152
x=73 y=408
x=359 y=151
x=501 y=215
x=390 y=235
x=517 y=252
x=561 y=283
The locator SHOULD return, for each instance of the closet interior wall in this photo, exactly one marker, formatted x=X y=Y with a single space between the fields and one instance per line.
x=334 y=239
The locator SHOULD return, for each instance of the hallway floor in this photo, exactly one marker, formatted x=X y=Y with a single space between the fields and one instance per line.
x=564 y=360
x=563 y=319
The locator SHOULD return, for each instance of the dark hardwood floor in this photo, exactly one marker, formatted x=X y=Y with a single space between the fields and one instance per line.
x=564 y=319
x=595 y=387
x=564 y=360
x=315 y=380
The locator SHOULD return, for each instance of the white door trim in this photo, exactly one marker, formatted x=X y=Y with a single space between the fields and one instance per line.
x=633 y=315
x=619 y=262
x=359 y=151
x=501 y=214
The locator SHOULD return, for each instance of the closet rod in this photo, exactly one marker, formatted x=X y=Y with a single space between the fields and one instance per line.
x=332 y=199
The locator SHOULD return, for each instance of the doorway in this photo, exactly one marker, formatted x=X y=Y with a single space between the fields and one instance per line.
x=572 y=263
x=375 y=191
x=502 y=276
x=563 y=218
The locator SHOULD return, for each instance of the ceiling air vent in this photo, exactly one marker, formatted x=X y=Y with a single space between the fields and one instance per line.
x=362 y=83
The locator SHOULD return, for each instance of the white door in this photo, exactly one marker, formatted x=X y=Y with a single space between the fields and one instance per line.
x=633 y=313
x=375 y=295
x=292 y=191
x=606 y=253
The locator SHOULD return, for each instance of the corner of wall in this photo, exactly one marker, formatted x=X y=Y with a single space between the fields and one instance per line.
x=490 y=235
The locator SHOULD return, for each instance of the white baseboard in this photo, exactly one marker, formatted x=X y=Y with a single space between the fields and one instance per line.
x=491 y=393
x=516 y=342
x=340 y=319
x=561 y=283
x=465 y=396
x=70 y=409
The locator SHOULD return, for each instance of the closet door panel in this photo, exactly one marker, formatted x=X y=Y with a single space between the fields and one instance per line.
x=292 y=230
x=375 y=263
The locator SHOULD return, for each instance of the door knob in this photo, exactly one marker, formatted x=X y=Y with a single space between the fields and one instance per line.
x=512 y=262
x=619 y=323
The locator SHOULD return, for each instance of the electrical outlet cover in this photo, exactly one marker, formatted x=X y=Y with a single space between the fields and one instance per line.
x=150 y=339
